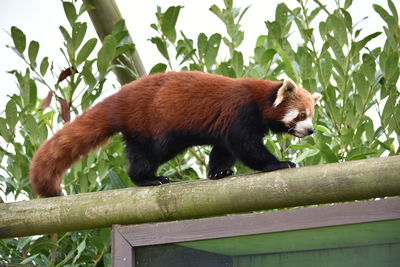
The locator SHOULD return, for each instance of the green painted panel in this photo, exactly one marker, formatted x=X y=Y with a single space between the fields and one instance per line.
x=386 y=255
x=354 y=235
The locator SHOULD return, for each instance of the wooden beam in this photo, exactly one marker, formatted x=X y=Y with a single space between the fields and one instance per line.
x=338 y=182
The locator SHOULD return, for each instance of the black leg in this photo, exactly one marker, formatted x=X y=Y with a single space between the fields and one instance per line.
x=142 y=163
x=245 y=141
x=221 y=161
x=253 y=153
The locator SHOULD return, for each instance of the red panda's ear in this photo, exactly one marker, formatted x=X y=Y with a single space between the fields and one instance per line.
x=316 y=97
x=288 y=87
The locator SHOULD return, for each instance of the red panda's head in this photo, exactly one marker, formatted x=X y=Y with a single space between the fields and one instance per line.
x=296 y=106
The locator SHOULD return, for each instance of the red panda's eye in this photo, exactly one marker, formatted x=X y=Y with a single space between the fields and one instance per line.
x=303 y=116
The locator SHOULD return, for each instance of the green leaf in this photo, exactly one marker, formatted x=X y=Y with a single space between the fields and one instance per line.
x=237 y=63
x=33 y=51
x=125 y=49
x=118 y=27
x=44 y=66
x=360 y=153
x=225 y=69
x=368 y=67
x=337 y=50
x=212 y=49
x=31 y=126
x=115 y=180
x=19 y=39
x=160 y=67
x=4 y=132
x=22 y=242
x=389 y=63
x=161 y=46
x=361 y=85
x=347 y=3
x=88 y=76
x=306 y=154
x=29 y=259
x=106 y=54
x=169 y=19
x=78 y=33
x=322 y=129
x=11 y=114
x=217 y=11
x=394 y=11
x=81 y=247
x=65 y=34
x=70 y=12
x=327 y=153
x=390 y=20
x=86 y=50
x=202 y=44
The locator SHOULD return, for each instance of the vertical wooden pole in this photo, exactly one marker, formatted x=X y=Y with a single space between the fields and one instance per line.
x=104 y=15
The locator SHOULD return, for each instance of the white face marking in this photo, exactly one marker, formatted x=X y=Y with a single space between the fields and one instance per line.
x=302 y=127
x=308 y=112
x=290 y=116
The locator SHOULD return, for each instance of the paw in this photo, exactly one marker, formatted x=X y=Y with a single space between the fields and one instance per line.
x=163 y=179
x=159 y=180
x=220 y=174
x=280 y=165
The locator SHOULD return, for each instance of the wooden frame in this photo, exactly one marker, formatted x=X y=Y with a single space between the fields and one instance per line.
x=126 y=238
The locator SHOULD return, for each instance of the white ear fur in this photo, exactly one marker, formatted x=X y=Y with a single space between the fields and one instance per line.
x=316 y=97
x=287 y=87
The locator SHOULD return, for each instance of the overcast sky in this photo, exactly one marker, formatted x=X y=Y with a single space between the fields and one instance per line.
x=40 y=20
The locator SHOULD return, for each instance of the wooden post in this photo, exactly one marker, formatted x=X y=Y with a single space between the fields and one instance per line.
x=104 y=16
x=338 y=182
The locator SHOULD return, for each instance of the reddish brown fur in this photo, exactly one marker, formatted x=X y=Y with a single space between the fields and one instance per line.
x=151 y=107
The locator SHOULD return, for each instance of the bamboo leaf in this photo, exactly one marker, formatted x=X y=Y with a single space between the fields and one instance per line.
x=106 y=54
x=161 y=46
x=70 y=12
x=78 y=33
x=348 y=3
x=237 y=63
x=360 y=153
x=29 y=259
x=337 y=50
x=392 y=8
x=306 y=154
x=202 y=44
x=86 y=50
x=19 y=39
x=88 y=76
x=212 y=49
x=11 y=114
x=361 y=85
x=160 y=67
x=44 y=66
x=169 y=19
x=327 y=153
x=33 y=51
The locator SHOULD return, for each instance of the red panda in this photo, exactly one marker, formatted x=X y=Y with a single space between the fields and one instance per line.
x=160 y=115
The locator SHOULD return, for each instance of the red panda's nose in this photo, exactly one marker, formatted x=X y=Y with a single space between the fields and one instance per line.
x=310 y=131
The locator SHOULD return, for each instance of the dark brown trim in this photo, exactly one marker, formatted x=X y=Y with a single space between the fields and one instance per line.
x=257 y=223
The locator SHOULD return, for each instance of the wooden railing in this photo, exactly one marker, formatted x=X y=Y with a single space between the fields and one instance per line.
x=338 y=182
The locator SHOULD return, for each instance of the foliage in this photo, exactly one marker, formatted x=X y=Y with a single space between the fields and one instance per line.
x=357 y=118
x=29 y=121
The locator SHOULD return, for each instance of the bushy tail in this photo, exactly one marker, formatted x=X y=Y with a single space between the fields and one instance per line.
x=73 y=141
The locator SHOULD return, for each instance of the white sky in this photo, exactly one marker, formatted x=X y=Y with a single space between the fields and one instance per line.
x=40 y=20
